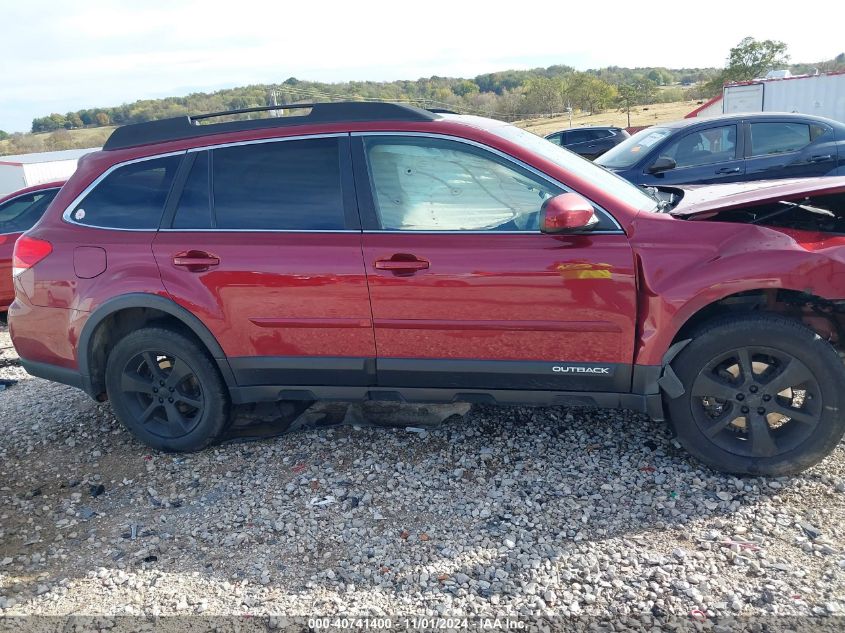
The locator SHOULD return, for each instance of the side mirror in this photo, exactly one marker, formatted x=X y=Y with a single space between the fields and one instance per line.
x=568 y=213
x=664 y=163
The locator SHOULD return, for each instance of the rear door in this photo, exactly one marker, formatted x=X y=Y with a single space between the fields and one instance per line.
x=703 y=156
x=264 y=246
x=587 y=143
x=789 y=149
x=466 y=291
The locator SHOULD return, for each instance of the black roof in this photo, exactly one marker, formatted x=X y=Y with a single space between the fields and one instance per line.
x=586 y=127
x=739 y=116
x=186 y=127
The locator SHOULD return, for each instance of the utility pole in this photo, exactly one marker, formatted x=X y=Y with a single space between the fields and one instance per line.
x=274 y=101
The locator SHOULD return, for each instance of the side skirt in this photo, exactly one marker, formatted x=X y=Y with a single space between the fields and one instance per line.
x=650 y=404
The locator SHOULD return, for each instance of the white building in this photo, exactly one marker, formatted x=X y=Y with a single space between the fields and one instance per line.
x=25 y=170
x=821 y=95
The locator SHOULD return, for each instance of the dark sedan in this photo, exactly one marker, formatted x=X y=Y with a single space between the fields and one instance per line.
x=589 y=142
x=732 y=148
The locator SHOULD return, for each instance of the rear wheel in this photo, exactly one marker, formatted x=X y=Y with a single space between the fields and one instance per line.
x=165 y=389
x=762 y=396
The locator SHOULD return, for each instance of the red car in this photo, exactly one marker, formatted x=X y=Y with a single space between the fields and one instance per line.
x=18 y=212
x=380 y=251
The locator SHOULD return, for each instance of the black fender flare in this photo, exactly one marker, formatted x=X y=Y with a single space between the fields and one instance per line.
x=155 y=302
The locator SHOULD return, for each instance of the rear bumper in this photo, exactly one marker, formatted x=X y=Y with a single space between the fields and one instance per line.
x=58 y=374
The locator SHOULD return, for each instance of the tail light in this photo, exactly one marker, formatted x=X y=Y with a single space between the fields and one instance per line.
x=28 y=252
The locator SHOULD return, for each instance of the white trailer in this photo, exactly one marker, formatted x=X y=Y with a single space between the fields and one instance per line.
x=25 y=170
x=819 y=95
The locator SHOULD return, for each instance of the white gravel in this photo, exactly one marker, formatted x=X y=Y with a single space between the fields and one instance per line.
x=540 y=513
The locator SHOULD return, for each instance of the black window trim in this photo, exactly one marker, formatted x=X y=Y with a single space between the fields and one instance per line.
x=351 y=215
x=28 y=193
x=366 y=204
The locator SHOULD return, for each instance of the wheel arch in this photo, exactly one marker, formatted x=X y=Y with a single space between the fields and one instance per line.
x=823 y=316
x=125 y=313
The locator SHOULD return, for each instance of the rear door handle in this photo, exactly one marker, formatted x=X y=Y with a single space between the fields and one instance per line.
x=728 y=170
x=402 y=263
x=820 y=157
x=195 y=261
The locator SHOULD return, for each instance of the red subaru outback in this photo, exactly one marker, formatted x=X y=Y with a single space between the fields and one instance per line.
x=380 y=251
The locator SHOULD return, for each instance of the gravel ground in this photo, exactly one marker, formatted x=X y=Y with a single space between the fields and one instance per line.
x=544 y=513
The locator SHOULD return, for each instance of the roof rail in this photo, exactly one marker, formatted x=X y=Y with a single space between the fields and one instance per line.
x=185 y=127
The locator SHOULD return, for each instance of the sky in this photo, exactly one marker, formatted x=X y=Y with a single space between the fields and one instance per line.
x=62 y=56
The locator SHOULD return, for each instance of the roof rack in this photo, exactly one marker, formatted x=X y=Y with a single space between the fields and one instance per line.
x=186 y=127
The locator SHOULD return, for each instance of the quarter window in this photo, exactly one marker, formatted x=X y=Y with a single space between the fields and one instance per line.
x=130 y=197
x=422 y=184
x=285 y=185
x=778 y=138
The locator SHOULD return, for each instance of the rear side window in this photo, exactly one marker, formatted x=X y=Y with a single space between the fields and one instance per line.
x=579 y=136
x=778 y=138
x=130 y=197
x=285 y=185
x=20 y=214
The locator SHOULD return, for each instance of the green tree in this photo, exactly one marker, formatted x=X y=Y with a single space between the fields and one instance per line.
x=751 y=59
x=589 y=93
x=465 y=87
x=3 y=135
x=102 y=118
x=544 y=96
x=639 y=91
x=72 y=121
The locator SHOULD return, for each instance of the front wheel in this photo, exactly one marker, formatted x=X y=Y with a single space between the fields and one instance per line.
x=166 y=390
x=763 y=396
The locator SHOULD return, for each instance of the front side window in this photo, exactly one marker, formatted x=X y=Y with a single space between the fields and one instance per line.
x=778 y=138
x=424 y=184
x=713 y=145
x=21 y=213
x=284 y=185
x=130 y=197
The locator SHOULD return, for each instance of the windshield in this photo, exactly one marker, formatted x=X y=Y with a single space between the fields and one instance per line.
x=630 y=151
x=579 y=166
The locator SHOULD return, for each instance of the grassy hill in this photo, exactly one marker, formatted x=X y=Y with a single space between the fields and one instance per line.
x=641 y=115
x=61 y=139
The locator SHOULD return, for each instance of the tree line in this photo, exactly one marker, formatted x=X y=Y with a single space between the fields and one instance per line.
x=508 y=95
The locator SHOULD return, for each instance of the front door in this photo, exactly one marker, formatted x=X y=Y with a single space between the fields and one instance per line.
x=465 y=290
x=704 y=156
x=264 y=247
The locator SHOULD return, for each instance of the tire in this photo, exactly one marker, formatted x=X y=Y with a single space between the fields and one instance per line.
x=779 y=419
x=166 y=391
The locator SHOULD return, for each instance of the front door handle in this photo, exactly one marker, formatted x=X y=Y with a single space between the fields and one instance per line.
x=402 y=264
x=195 y=261
x=820 y=157
x=728 y=170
